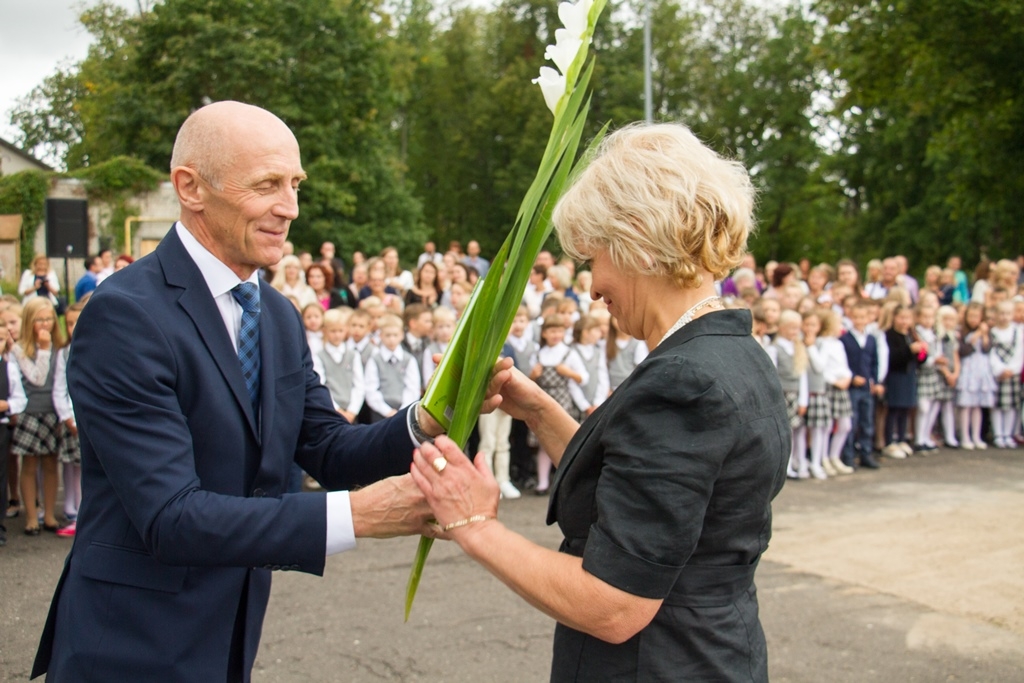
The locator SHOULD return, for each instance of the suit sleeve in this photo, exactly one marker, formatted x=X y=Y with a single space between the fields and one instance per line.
x=135 y=426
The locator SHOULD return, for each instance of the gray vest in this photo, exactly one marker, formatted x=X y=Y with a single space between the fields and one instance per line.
x=339 y=376
x=623 y=363
x=392 y=379
x=787 y=376
x=815 y=380
x=593 y=366
x=367 y=353
x=40 y=398
x=522 y=358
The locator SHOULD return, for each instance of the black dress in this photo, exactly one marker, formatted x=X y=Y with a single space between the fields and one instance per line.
x=665 y=492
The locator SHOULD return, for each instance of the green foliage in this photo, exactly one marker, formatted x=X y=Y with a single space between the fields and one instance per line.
x=25 y=193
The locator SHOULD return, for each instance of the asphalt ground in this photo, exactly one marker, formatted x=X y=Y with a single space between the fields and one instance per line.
x=910 y=573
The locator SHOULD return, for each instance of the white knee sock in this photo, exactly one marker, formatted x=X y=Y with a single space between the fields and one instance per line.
x=819 y=444
x=924 y=408
x=948 y=423
x=1009 y=420
x=997 y=425
x=975 y=424
x=543 y=469
x=798 y=456
x=843 y=427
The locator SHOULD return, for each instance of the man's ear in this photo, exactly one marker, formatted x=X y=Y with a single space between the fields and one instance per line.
x=186 y=185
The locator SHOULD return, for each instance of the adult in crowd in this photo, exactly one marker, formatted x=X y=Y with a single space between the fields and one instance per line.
x=290 y=281
x=430 y=253
x=329 y=257
x=376 y=281
x=107 y=256
x=848 y=276
x=961 y=291
x=123 y=261
x=90 y=278
x=474 y=260
x=187 y=441
x=904 y=279
x=983 y=277
x=536 y=287
x=561 y=283
x=664 y=493
x=729 y=285
x=320 y=279
x=426 y=288
x=401 y=280
x=887 y=279
x=39 y=280
x=360 y=276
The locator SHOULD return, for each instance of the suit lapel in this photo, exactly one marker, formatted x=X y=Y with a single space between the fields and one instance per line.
x=181 y=271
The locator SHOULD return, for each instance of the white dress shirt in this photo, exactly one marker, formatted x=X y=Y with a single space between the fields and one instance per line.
x=221 y=280
x=17 y=401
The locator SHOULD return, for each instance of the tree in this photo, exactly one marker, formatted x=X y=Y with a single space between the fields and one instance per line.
x=318 y=64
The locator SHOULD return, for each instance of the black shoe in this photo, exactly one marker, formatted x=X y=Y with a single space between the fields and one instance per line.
x=31 y=531
x=869 y=462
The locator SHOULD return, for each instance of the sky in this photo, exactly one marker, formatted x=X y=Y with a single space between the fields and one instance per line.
x=35 y=37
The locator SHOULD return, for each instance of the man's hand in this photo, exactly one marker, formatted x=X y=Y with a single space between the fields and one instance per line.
x=859 y=381
x=391 y=507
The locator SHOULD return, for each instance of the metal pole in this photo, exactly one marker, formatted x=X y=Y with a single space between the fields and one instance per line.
x=648 y=104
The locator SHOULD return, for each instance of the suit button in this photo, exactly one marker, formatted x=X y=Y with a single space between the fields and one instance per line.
x=258 y=493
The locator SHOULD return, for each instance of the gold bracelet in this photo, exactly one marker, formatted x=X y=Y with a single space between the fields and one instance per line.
x=464 y=522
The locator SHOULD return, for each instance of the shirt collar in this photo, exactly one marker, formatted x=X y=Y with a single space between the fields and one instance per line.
x=219 y=278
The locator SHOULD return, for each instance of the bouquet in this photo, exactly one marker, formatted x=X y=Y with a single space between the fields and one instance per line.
x=457 y=389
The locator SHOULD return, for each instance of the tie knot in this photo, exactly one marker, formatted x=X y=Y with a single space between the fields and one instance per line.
x=247 y=295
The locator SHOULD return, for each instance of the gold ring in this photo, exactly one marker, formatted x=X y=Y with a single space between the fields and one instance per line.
x=440 y=463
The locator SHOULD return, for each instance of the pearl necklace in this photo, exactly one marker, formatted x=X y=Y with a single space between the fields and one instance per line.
x=687 y=317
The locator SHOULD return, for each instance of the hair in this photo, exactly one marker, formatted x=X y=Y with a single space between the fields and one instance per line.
x=944 y=311
x=800 y=361
x=549 y=322
x=781 y=272
x=874 y=264
x=384 y=252
x=981 y=271
x=551 y=301
x=413 y=311
x=585 y=323
x=560 y=274
x=40 y=257
x=328 y=275
x=437 y=277
x=831 y=326
x=920 y=309
x=540 y=269
x=390 y=320
x=336 y=316
x=443 y=314
x=568 y=305
x=291 y=260
x=370 y=302
x=33 y=308
x=361 y=314
x=661 y=203
x=316 y=305
x=77 y=307
x=124 y=257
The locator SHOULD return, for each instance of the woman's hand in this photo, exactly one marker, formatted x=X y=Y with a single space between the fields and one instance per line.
x=516 y=394
x=455 y=488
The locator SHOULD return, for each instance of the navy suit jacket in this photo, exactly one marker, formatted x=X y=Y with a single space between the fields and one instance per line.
x=184 y=513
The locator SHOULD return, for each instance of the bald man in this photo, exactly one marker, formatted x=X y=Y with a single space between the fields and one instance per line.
x=188 y=438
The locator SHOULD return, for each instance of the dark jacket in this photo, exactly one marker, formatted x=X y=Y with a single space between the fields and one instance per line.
x=665 y=492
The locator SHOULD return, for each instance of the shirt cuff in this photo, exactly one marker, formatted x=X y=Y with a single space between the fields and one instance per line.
x=341 y=535
x=417 y=434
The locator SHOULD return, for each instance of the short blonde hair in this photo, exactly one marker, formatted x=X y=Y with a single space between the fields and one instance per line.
x=390 y=321
x=661 y=203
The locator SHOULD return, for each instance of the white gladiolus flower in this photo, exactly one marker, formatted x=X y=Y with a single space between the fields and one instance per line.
x=564 y=51
x=574 y=17
x=552 y=85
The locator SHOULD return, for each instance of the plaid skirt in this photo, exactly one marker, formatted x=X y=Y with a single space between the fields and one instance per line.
x=35 y=434
x=840 y=399
x=1008 y=393
x=69 y=448
x=929 y=383
x=819 y=411
x=792 y=399
x=946 y=392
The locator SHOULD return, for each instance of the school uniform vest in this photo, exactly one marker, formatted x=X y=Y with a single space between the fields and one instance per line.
x=593 y=366
x=339 y=376
x=522 y=358
x=863 y=361
x=788 y=377
x=366 y=353
x=623 y=363
x=40 y=397
x=815 y=380
x=392 y=378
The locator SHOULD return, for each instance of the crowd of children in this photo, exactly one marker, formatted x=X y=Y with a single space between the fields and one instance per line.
x=882 y=366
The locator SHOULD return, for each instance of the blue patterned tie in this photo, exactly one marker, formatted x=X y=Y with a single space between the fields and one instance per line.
x=247 y=295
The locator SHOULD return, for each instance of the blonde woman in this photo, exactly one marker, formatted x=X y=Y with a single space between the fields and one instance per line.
x=664 y=493
x=290 y=281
